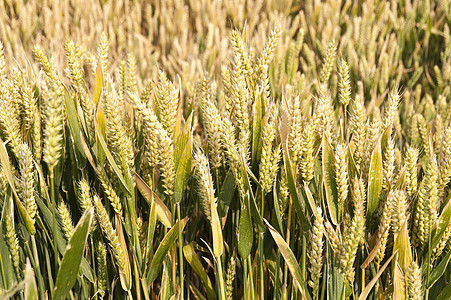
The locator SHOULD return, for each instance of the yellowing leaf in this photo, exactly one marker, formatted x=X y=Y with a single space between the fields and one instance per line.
x=291 y=261
x=374 y=181
x=124 y=275
x=330 y=185
x=402 y=245
x=216 y=229
x=373 y=281
x=98 y=85
x=163 y=213
x=31 y=290
x=399 y=283
x=163 y=249
x=194 y=262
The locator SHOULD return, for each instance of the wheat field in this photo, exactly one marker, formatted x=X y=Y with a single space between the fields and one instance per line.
x=206 y=149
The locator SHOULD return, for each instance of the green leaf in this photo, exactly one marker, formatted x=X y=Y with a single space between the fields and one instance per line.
x=110 y=158
x=163 y=213
x=245 y=233
x=75 y=129
x=330 y=185
x=163 y=249
x=31 y=290
x=277 y=208
x=439 y=270
x=9 y=175
x=68 y=271
x=47 y=218
x=374 y=181
x=413 y=79
x=8 y=275
x=275 y=271
x=310 y=200
x=182 y=156
x=443 y=224
x=293 y=190
x=194 y=262
x=445 y=294
x=336 y=279
x=166 y=281
x=227 y=193
x=182 y=141
x=291 y=261
x=255 y=213
x=150 y=232
x=250 y=200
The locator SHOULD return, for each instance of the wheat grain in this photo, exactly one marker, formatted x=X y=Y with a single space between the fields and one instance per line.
x=110 y=233
x=341 y=174
x=316 y=251
x=13 y=244
x=230 y=277
x=65 y=220
x=329 y=62
x=354 y=232
x=344 y=83
x=414 y=282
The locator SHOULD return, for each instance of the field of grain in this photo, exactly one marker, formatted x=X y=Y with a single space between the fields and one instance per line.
x=244 y=149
